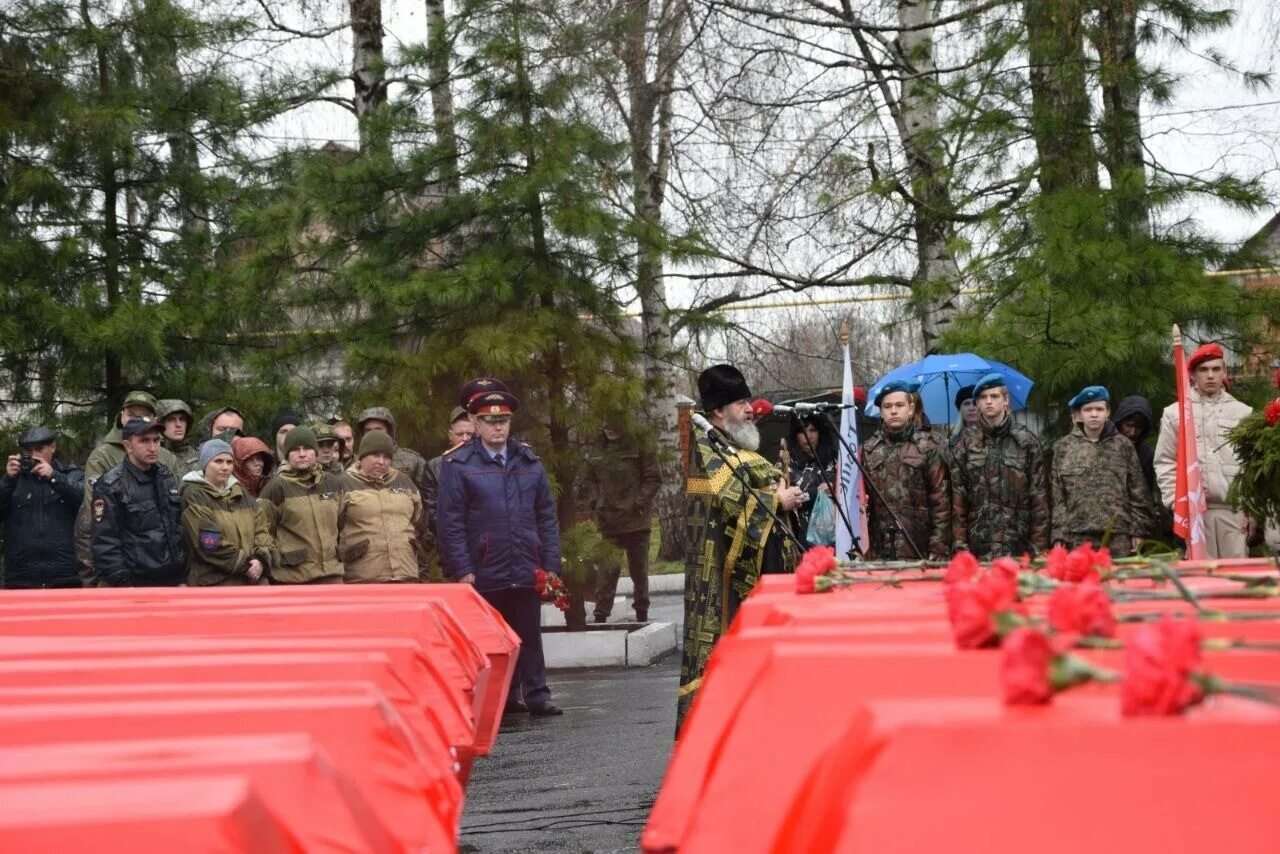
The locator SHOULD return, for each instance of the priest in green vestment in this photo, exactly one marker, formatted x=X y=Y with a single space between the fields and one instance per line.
x=739 y=540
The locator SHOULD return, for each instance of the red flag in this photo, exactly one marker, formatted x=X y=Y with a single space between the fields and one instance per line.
x=1188 y=493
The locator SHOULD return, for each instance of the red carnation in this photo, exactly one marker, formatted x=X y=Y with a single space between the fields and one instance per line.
x=1161 y=660
x=1024 y=668
x=817 y=561
x=974 y=608
x=1079 y=564
x=1081 y=609
x=1272 y=413
x=963 y=567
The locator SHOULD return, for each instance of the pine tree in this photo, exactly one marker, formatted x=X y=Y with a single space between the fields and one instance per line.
x=111 y=224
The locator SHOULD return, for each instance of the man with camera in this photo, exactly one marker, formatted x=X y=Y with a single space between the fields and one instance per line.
x=39 y=499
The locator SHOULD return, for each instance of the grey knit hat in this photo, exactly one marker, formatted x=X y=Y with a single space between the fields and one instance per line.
x=211 y=449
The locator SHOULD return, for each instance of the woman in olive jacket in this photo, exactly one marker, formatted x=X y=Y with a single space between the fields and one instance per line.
x=228 y=541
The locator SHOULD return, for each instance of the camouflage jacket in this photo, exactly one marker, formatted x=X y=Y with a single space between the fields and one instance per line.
x=1000 y=503
x=1098 y=487
x=909 y=470
x=622 y=482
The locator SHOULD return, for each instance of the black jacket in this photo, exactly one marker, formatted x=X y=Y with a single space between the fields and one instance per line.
x=39 y=519
x=137 y=528
x=1138 y=405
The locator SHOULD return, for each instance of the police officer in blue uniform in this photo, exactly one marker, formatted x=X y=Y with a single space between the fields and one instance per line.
x=496 y=524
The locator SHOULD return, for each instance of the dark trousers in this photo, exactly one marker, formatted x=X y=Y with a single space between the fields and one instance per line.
x=522 y=609
x=636 y=545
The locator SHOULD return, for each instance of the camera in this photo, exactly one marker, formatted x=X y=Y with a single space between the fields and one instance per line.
x=27 y=462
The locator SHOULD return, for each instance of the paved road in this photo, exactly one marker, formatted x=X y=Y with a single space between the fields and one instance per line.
x=581 y=783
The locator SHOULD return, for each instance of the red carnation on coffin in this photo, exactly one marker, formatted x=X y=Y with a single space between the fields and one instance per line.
x=1081 y=609
x=1033 y=668
x=975 y=609
x=1161 y=660
x=815 y=564
x=963 y=567
x=1080 y=564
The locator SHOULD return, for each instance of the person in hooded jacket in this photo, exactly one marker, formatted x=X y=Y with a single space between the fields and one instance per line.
x=381 y=518
x=301 y=505
x=1134 y=419
x=413 y=464
x=254 y=463
x=224 y=422
x=228 y=541
x=280 y=427
x=178 y=421
x=1098 y=489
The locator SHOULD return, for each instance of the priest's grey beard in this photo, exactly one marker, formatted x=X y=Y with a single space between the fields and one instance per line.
x=745 y=434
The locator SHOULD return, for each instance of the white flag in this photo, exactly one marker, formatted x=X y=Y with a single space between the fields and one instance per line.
x=849 y=477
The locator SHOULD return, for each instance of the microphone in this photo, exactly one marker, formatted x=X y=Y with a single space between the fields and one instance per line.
x=707 y=427
x=803 y=408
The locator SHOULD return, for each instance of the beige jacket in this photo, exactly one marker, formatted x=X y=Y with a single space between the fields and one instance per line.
x=379 y=525
x=1214 y=417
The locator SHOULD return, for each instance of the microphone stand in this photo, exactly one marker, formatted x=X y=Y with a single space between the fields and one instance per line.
x=873 y=489
x=716 y=443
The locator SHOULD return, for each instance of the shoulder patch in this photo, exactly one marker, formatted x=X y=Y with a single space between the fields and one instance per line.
x=99 y=509
x=210 y=540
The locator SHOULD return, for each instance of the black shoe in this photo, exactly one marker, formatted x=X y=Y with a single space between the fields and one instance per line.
x=515 y=707
x=602 y=618
x=545 y=710
x=642 y=616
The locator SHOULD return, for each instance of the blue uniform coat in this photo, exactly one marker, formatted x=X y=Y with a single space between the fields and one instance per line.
x=496 y=521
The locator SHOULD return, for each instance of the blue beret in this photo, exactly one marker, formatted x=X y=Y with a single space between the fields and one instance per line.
x=909 y=386
x=1089 y=394
x=992 y=380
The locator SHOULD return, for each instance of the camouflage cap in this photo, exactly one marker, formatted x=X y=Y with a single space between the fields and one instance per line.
x=324 y=433
x=139 y=398
x=172 y=406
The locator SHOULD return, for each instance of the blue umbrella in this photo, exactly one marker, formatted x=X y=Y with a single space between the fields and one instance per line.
x=942 y=375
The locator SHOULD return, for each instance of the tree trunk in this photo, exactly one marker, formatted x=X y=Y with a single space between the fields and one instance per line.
x=442 y=95
x=368 y=73
x=1060 y=108
x=1117 y=47
x=936 y=283
x=649 y=120
x=159 y=48
x=558 y=433
x=113 y=368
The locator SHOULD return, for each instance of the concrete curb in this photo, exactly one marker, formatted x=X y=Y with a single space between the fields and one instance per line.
x=657 y=584
x=619 y=645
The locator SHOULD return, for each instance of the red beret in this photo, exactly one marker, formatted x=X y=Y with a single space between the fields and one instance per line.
x=859 y=394
x=1203 y=354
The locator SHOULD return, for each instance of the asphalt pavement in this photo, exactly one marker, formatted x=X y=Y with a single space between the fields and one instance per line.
x=581 y=783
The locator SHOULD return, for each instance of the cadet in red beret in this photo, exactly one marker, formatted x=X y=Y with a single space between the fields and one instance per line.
x=1216 y=412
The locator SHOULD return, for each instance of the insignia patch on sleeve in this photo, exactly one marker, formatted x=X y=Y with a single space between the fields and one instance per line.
x=99 y=509
x=210 y=540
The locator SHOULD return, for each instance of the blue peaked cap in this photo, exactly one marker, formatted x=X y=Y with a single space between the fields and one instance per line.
x=992 y=380
x=909 y=386
x=1089 y=394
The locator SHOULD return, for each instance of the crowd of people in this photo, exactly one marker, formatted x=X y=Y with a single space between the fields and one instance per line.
x=985 y=485
x=323 y=503
x=163 y=500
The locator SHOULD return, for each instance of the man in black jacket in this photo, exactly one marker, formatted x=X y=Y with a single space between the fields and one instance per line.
x=39 y=498
x=137 y=529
